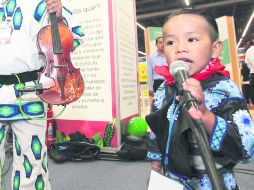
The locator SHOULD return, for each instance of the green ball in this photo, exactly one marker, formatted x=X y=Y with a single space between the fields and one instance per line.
x=137 y=127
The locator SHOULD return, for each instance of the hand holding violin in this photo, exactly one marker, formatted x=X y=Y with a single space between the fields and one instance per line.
x=62 y=81
x=54 y=6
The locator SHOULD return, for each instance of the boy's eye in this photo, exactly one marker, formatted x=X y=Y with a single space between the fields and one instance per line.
x=192 y=39
x=170 y=43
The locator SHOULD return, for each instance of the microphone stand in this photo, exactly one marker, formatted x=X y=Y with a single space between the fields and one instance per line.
x=203 y=144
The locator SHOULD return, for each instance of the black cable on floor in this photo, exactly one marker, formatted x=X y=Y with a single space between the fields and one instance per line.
x=244 y=171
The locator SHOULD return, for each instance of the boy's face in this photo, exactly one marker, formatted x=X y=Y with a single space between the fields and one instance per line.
x=187 y=38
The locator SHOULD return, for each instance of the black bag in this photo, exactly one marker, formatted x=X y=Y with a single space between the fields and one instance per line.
x=79 y=148
x=133 y=149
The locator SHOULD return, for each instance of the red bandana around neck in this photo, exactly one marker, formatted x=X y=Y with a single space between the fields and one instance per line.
x=214 y=66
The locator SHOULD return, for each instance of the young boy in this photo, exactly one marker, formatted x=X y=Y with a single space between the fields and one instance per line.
x=192 y=38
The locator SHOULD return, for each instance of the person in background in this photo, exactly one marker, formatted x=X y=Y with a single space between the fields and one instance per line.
x=247 y=89
x=191 y=37
x=156 y=59
x=20 y=63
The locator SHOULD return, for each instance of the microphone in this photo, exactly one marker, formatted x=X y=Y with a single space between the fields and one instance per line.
x=179 y=70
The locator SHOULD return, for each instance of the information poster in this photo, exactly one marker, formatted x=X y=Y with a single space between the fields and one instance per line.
x=108 y=62
x=127 y=58
x=93 y=59
x=95 y=110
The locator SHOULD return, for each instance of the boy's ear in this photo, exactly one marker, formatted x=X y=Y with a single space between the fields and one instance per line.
x=217 y=47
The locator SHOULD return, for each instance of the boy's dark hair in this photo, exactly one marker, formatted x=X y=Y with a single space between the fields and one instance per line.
x=157 y=39
x=213 y=27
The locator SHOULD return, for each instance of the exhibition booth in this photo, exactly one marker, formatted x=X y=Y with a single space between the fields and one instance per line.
x=115 y=77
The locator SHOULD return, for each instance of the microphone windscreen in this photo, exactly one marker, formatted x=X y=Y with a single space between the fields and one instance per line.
x=178 y=65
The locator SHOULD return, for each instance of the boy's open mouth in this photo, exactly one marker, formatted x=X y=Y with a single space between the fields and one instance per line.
x=186 y=60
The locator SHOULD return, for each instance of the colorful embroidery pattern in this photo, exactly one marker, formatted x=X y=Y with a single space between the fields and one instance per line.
x=223 y=91
x=218 y=133
x=16 y=180
x=153 y=156
x=44 y=163
x=246 y=129
x=12 y=13
x=205 y=183
x=36 y=147
x=39 y=11
x=159 y=97
x=12 y=111
x=229 y=180
x=2 y=14
x=39 y=184
x=17 y=146
x=28 y=167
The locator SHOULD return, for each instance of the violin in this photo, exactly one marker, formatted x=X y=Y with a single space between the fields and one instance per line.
x=63 y=83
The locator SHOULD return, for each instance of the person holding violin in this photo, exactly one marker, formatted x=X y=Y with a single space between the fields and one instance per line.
x=24 y=112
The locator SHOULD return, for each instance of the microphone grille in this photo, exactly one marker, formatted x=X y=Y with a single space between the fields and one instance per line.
x=178 y=65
